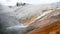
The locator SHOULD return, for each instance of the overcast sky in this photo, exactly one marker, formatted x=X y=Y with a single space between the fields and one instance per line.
x=13 y=2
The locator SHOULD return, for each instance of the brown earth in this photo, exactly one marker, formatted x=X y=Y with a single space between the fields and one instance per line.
x=49 y=24
x=51 y=29
x=28 y=21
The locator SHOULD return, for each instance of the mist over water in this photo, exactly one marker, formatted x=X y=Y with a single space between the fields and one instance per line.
x=8 y=22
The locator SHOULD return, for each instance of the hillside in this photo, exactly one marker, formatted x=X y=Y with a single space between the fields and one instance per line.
x=48 y=24
x=24 y=13
x=31 y=19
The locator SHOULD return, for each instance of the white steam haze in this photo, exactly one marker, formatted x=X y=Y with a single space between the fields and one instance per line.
x=13 y=2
